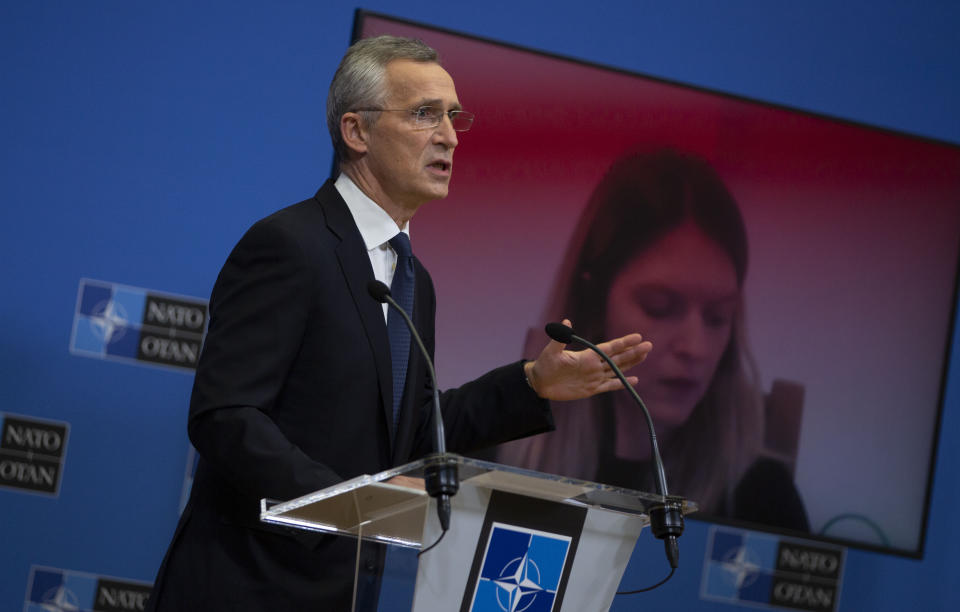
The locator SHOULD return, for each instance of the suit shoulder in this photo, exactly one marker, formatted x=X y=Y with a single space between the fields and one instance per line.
x=297 y=218
x=303 y=224
x=315 y=220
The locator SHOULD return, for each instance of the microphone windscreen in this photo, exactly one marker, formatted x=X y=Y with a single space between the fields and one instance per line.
x=378 y=291
x=559 y=332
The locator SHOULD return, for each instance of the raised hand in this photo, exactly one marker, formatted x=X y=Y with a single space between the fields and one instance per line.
x=560 y=374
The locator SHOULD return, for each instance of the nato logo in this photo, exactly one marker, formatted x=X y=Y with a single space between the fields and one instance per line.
x=32 y=453
x=56 y=590
x=767 y=571
x=136 y=325
x=520 y=571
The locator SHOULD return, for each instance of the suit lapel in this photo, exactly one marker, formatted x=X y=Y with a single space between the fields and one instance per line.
x=353 y=259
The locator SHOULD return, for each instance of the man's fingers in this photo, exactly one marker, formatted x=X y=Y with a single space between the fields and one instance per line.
x=628 y=358
x=622 y=344
x=612 y=384
x=554 y=347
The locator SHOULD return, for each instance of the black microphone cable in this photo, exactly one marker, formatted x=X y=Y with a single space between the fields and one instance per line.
x=441 y=478
x=666 y=521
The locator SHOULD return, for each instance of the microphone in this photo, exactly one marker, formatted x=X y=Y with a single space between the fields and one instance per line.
x=666 y=522
x=441 y=481
x=561 y=333
x=380 y=292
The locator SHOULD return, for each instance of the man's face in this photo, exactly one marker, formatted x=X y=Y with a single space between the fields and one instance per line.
x=413 y=165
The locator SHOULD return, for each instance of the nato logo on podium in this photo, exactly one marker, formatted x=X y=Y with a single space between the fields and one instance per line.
x=521 y=570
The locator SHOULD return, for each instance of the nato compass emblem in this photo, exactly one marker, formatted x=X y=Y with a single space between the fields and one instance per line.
x=101 y=326
x=56 y=590
x=109 y=320
x=521 y=570
x=59 y=599
x=740 y=566
x=518 y=585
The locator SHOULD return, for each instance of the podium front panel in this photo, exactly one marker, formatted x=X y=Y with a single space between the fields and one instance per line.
x=509 y=552
x=516 y=537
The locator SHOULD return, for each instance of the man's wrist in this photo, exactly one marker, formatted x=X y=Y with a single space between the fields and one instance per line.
x=530 y=376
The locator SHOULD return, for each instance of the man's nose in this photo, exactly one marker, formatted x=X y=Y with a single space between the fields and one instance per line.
x=445 y=134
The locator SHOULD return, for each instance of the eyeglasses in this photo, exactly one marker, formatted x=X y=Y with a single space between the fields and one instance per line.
x=427 y=117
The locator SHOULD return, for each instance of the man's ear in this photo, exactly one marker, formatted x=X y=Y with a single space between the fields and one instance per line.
x=353 y=130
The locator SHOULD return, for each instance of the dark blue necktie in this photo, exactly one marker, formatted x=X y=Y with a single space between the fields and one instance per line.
x=402 y=291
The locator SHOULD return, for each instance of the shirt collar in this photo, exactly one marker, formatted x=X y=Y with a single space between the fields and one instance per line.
x=375 y=225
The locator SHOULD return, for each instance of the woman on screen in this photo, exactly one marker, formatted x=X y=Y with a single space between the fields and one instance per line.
x=661 y=249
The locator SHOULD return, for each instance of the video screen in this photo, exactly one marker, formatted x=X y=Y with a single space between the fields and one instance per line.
x=795 y=273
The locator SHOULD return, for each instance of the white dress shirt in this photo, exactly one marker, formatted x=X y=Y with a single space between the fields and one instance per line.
x=376 y=228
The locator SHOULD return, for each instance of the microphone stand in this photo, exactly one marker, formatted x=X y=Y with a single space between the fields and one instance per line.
x=440 y=478
x=666 y=521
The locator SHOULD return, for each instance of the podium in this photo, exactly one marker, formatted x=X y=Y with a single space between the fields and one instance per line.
x=518 y=539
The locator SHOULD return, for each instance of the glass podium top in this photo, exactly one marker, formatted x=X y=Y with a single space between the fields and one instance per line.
x=391 y=506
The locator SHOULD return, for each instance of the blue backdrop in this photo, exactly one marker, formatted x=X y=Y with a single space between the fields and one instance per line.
x=139 y=140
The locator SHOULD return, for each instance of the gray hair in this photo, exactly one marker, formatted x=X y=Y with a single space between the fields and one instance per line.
x=359 y=80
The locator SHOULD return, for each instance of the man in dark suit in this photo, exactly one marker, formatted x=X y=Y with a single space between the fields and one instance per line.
x=294 y=390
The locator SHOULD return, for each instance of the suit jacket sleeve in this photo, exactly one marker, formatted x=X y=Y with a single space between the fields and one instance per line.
x=497 y=407
x=258 y=312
